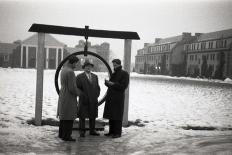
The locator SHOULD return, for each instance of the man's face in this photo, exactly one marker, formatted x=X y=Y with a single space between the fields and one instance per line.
x=88 y=68
x=115 y=65
x=74 y=65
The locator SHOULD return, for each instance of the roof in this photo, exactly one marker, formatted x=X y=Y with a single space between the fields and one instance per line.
x=71 y=49
x=7 y=48
x=216 y=35
x=83 y=31
x=169 y=40
x=49 y=41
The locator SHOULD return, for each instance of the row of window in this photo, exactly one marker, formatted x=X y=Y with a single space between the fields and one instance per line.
x=159 y=48
x=32 y=48
x=193 y=57
x=151 y=58
x=206 y=45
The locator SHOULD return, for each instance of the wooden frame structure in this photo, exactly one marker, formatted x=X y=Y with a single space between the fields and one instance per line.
x=41 y=29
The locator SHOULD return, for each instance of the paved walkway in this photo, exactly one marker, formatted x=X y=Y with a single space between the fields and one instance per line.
x=128 y=144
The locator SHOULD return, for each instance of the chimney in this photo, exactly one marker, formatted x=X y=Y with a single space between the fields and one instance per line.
x=198 y=34
x=186 y=34
x=157 y=40
x=146 y=44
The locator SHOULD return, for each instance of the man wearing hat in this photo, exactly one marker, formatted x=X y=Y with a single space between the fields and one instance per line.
x=114 y=105
x=88 y=102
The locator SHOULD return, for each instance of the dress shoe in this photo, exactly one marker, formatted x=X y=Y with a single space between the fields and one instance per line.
x=69 y=139
x=94 y=133
x=108 y=134
x=116 y=136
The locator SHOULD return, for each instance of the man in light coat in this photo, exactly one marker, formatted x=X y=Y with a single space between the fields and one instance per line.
x=67 y=102
x=88 y=103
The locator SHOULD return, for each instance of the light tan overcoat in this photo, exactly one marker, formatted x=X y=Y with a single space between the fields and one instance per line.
x=67 y=102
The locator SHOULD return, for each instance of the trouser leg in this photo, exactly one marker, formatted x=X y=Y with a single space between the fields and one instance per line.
x=111 y=125
x=67 y=126
x=91 y=125
x=61 y=132
x=82 y=125
x=117 y=127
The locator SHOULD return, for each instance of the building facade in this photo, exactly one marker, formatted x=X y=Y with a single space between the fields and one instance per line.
x=102 y=50
x=206 y=55
x=9 y=52
x=164 y=56
x=210 y=55
x=54 y=52
x=22 y=54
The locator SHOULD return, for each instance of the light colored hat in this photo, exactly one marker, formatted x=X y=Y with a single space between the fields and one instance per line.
x=87 y=62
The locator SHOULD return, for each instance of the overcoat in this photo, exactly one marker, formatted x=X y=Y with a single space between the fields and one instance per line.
x=114 y=104
x=88 y=102
x=67 y=102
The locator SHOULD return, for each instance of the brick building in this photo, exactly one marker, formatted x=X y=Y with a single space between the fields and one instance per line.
x=210 y=55
x=102 y=50
x=9 y=52
x=164 y=56
x=204 y=54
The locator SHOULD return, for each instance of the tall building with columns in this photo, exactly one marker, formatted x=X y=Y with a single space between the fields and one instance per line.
x=54 y=52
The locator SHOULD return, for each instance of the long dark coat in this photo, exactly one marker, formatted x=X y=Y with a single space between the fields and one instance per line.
x=114 y=105
x=67 y=102
x=88 y=102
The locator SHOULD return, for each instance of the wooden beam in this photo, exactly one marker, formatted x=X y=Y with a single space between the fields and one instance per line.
x=126 y=67
x=39 y=79
x=53 y=29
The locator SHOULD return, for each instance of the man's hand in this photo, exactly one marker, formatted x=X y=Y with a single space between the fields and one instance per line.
x=108 y=83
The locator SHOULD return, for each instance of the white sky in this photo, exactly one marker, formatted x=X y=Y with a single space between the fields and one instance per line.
x=149 y=18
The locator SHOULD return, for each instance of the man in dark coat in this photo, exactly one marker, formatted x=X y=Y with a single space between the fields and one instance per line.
x=88 y=103
x=114 y=105
x=67 y=102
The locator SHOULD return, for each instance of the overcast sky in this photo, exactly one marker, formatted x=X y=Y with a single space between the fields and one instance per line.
x=149 y=18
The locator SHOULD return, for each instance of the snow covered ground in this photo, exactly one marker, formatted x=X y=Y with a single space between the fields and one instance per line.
x=180 y=116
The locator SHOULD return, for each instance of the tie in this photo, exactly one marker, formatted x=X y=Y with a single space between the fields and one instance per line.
x=89 y=77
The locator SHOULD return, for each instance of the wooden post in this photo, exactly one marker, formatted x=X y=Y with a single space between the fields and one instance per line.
x=27 y=57
x=126 y=67
x=39 y=79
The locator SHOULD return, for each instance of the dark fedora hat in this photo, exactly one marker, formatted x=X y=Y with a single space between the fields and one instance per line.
x=86 y=63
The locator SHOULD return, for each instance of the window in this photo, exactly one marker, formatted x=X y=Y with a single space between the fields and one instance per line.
x=198 y=46
x=203 y=45
x=218 y=56
x=210 y=44
x=225 y=42
x=219 y=44
x=213 y=57
x=6 y=58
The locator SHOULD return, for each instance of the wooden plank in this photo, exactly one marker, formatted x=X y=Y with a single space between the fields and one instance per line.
x=126 y=66
x=53 y=29
x=39 y=79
